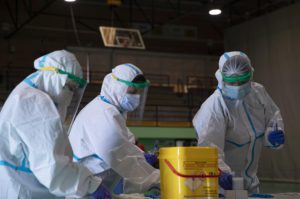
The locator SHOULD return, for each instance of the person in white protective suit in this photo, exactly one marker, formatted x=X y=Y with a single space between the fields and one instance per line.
x=239 y=118
x=100 y=138
x=33 y=160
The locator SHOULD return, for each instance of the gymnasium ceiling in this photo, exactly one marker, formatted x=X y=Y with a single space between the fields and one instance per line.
x=166 y=25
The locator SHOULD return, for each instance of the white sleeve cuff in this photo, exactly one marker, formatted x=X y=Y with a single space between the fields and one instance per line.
x=95 y=183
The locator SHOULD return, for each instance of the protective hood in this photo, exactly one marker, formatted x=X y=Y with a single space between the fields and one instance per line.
x=60 y=59
x=60 y=76
x=114 y=90
x=52 y=82
x=235 y=66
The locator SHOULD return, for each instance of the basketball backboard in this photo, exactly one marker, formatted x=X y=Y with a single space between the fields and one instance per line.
x=121 y=37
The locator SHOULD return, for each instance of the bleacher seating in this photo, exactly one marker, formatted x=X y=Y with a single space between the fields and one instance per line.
x=167 y=104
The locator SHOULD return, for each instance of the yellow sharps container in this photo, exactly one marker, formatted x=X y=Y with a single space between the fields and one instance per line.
x=188 y=172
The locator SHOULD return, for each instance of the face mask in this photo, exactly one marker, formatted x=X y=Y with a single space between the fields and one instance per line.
x=62 y=101
x=130 y=102
x=237 y=92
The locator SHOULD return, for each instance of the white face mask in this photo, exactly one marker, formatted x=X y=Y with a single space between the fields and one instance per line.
x=130 y=102
x=237 y=92
x=62 y=101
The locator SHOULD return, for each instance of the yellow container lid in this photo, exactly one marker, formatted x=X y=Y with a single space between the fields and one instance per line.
x=188 y=152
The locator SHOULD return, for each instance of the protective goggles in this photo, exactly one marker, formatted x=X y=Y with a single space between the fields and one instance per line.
x=242 y=78
x=133 y=84
x=81 y=82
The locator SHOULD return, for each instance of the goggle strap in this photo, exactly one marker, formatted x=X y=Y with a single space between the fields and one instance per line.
x=246 y=77
x=80 y=81
x=133 y=84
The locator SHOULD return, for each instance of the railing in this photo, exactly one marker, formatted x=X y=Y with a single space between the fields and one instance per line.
x=177 y=110
x=155 y=79
x=206 y=82
x=164 y=113
x=95 y=76
x=158 y=79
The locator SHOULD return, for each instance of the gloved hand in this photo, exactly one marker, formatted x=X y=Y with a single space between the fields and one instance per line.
x=150 y=158
x=225 y=181
x=153 y=192
x=260 y=195
x=101 y=193
x=276 y=137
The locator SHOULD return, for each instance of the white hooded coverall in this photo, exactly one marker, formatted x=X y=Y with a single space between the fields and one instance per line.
x=101 y=140
x=239 y=128
x=32 y=141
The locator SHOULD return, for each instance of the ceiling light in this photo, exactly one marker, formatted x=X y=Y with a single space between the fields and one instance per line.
x=70 y=0
x=215 y=11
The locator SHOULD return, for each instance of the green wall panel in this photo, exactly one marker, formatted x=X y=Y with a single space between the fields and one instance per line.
x=166 y=136
x=163 y=132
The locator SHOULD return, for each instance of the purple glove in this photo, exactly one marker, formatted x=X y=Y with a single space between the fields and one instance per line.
x=101 y=193
x=276 y=137
x=225 y=181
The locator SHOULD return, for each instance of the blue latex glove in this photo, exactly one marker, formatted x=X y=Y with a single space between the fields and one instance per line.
x=119 y=188
x=101 y=193
x=225 y=181
x=260 y=195
x=276 y=137
x=150 y=158
x=153 y=192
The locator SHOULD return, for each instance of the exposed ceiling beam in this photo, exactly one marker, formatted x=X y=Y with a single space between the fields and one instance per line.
x=10 y=35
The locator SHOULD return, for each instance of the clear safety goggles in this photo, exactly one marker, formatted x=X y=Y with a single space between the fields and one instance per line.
x=136 y=88
x=75 y=85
